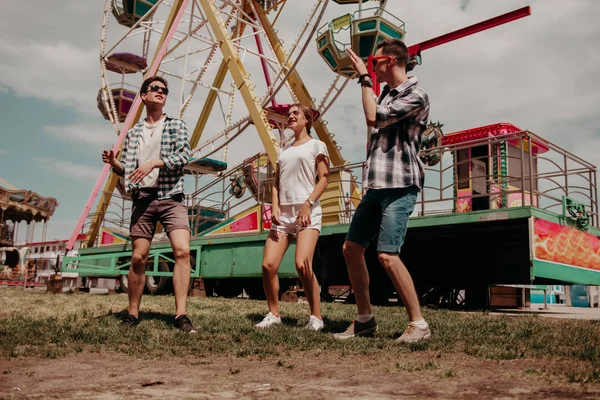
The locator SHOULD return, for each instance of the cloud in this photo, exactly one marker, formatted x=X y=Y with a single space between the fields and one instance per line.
x=68 y=169
x=57 y=72
x=54 y=56
x=83 y=133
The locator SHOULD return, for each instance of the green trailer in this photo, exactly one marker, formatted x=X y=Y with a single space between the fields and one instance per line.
x=501 y=206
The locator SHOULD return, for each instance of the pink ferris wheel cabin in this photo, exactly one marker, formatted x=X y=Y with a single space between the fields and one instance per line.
x=126 y=63
x=121 y=63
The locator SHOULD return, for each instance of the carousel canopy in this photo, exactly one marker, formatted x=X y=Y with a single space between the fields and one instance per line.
x=24 y=205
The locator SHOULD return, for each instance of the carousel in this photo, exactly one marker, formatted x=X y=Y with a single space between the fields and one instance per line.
x=17 y=206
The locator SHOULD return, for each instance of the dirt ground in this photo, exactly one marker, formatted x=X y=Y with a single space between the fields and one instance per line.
x=314 y=375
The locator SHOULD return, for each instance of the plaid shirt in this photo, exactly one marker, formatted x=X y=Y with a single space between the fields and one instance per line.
x=174 y=153
x=393 y=152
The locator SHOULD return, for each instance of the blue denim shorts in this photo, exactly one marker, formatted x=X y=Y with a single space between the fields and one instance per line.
x=383 y=213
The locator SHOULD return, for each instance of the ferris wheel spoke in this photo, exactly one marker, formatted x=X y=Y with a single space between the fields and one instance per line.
x=108 y=6
x=193 y=32
x=237 y=128
x=201 y=72
x=221 y=108
x=132 y=31
x=256 y=53
x=277 y=8
x=192 y=81
x=281 y=79
x=246 y=18
x=337 y=88
x=228 y=120
x=191 y=53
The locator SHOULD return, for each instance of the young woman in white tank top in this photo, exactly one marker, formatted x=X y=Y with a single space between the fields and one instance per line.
x=296 y=213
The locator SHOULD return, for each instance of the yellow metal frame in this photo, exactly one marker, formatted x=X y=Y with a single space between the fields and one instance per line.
x=298 y=87
x=305 y=98
x=242 y=80
x=212 y=96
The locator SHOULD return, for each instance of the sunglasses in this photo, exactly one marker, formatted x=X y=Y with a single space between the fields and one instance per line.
x=156 y=88
x=375 y=60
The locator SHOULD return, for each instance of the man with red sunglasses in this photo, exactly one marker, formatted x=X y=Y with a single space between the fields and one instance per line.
x=393 y=177
x=154 y=154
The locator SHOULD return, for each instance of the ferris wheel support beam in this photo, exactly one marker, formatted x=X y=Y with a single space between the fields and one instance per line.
x=212 y=95
x=305 y=98
x=208 y=104
x=242 y=80
x=299 y=88
x=177 y=12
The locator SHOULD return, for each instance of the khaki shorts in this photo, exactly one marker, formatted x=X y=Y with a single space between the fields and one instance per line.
x=148 y=210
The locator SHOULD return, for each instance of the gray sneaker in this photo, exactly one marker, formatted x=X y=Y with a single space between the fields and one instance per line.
x=358 y=329
x=414 y=334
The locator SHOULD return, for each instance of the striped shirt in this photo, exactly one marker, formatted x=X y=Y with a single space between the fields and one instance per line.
x=393 y=152
x=174 y=153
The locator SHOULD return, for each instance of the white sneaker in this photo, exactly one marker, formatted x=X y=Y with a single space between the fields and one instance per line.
x=269 y=320
x=413 y=333
x=315 y=324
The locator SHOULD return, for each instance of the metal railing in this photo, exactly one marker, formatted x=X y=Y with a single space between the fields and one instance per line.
x=517 y=169
x=512 y=178
x=538 y=172
x=242 y=187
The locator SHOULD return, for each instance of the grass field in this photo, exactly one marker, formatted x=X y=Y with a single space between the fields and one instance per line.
x=37 y=326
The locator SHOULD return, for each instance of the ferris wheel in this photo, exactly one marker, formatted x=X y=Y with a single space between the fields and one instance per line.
x=231 y=75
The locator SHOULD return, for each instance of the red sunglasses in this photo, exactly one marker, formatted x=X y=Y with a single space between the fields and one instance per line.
x=375 y=60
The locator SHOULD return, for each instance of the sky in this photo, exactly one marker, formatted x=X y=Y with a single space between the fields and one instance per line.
x=539 y=73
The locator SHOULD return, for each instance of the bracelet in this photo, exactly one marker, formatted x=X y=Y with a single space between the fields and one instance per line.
x=361 y=78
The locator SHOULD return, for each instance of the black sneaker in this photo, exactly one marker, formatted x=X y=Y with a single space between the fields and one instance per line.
x=183 y=323
x=358 y=329
x=130 y=321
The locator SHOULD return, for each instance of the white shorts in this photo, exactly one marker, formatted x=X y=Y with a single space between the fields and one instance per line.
x=289 y=214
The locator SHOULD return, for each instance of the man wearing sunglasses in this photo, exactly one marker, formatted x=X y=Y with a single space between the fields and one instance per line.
x=392 y=178
x=154 y=154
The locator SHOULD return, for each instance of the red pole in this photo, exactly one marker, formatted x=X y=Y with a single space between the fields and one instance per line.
x=263 y=62
x=470 y=30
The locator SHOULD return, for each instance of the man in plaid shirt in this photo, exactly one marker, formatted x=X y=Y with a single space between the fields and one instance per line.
x=393 y=177
x=154 y=154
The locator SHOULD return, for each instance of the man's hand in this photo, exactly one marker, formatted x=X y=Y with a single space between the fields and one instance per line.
x=108 y=157
x=143 y=171
x=275 y=214
x=357 y=63
x=304 y=215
